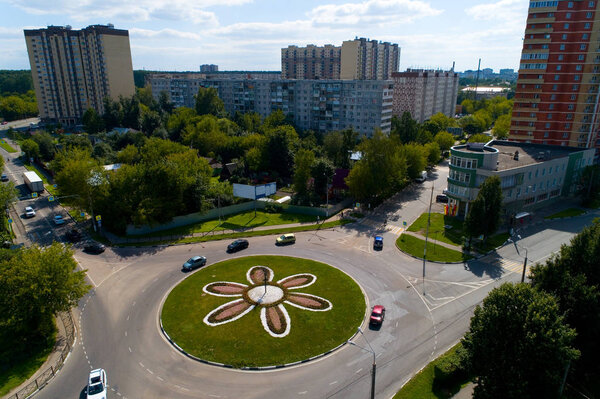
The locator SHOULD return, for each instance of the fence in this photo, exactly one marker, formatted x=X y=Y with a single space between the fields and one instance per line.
x=57 y=363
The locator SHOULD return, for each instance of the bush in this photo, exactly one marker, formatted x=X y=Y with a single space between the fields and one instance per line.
x=273 y=208
x=450 y=370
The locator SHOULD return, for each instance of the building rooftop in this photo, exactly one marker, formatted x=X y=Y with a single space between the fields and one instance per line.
x=528 y=153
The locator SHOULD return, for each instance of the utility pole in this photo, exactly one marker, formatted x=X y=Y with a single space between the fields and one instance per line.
x=426 y=238
x=477 y=78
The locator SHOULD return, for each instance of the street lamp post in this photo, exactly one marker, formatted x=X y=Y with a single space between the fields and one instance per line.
x=370 y=349
x=525 y=261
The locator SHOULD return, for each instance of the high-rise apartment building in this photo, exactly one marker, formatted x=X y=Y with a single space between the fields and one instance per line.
x=74 y=70
x=424 y=93
x=556 y=100
x=311 y=62
x=369 y=59
x=359 y=59
x=209 y=68
x=321 y=105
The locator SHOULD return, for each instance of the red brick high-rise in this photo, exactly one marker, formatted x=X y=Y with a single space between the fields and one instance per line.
x=557 y=98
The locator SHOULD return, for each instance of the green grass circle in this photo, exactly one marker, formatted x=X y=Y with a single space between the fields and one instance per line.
x=244 y=342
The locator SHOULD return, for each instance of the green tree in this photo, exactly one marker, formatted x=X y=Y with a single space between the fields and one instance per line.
x=35 y=284
x=433 y=153
x=483 y=217
x=406 y=129
x=502 y=126
x=8 y=194
x=445 y=140
x=275 y=119
x=416 y=159
x=322 y=171
x=165 y=103
x=280 y=145
x=573 y=277
x=92 y=122
x=302 y=169
x=518 y=344
x=479 y=138
x=208 y=102
x=46 y=146
x=113 y=113
x=150 y=121
x=30 y=148
x=144 y=96
x=472 y=124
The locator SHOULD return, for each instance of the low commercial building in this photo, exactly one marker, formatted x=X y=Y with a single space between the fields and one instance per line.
x=531 y=174
x=319 y=105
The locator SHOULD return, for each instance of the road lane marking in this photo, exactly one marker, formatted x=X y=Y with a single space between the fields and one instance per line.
x=141 y=365
x=358 y=371
x=332 y=383
x=130 y=351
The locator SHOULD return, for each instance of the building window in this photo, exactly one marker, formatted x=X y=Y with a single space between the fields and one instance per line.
x=546 y=134
x=587 y=25
x=560 y=57
x=558 y=67
x=582 y=47
x=591 y=4
x=568 y=15
x=562 y=46
x=570 y=4
x=584 y=37
x=575 y=87
x=564 y=36
x=566 y=26
x=578 y=67
x=556 y=77
x=565 y=135
x=553 y=97
x=554 y=87
x=588 y=15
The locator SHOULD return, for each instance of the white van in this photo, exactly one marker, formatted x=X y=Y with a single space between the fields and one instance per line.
x=422 y=177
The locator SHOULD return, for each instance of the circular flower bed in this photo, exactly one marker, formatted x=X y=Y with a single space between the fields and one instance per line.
x=263 y=310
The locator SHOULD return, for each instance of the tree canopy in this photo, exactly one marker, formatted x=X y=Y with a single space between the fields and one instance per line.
x=483 y=217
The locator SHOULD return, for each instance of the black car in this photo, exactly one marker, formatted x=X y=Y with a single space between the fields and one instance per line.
x=4 y=177
x=441 y=198
x=237 y=245
x=73 y=235
x=94 y=248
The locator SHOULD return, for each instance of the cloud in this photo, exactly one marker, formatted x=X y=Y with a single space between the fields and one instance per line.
x=504 y=10
x=10 y=32
x=130 y=10
x=372 y=12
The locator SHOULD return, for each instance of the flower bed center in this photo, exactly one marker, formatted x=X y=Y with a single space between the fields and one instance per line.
x=258 y=295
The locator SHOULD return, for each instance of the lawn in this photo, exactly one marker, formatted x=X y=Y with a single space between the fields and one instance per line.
x=245 y=342
x=414 y=246
x=7 y=146
x=566 y=213
x=422 y=385
x=13 y=375
x=437 y=231
x=492 y=242
x=238 y=221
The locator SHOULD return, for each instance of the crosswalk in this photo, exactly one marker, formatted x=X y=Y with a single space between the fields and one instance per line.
x=394 y=229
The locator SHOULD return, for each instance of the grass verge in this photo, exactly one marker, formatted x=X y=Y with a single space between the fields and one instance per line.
x=236 y=221
x=255 y=233
x=424 y=384
x=414 y=246
x=492 y=242
x=566 y=213
x=14 y=374
x=244 y=342
x=437 y=231
x=47 y=185
x=7 y=146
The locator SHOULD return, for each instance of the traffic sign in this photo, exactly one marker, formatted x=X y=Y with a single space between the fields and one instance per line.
x=51 y=198
x=358 y=204
x=82 y=214
x=10 y=221
x=98 y=218
x=34 y=195
x=55 y=185
x=404 y=223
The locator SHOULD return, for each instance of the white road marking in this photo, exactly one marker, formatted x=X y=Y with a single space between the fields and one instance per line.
x=159 y=378
x=358 y=371
x=150 y=371
x=125 y=333
x=332 y=383
x=302 y=393
x=130 y=351
x=142 y=365
x=134 y=302
x=127 y=317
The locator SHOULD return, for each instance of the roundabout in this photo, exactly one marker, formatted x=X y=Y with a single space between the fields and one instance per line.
x=263 y=311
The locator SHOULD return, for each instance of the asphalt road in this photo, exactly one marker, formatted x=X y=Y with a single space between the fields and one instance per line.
x=118 y=322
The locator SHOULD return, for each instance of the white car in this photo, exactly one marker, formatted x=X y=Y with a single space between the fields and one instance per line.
x=58 y=220
x=96 y=388
x=29 y=212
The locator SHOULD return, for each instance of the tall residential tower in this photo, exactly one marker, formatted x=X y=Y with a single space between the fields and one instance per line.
x=557 y=97
x=74 y=70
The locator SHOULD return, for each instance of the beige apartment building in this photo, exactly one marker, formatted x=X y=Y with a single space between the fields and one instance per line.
x=424 y=93
x=358 y=59
x=74 y=70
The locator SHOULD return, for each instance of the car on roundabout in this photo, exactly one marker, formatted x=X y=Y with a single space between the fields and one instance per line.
x=237 y=245
x=377 y=316
x=94 y=248
x=284 y=239
x=193 y=263
x=97 y=385
x=378 y=243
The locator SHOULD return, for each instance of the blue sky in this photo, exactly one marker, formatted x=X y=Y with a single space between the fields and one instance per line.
x=180 y=35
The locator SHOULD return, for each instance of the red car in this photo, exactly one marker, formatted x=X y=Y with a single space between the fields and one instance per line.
x=377 y=315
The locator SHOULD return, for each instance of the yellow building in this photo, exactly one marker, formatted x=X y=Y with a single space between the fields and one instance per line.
x=74 y=70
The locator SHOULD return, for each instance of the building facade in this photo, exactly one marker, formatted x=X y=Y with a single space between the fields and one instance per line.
x=359 y=59
x=74 y=70
x=556 y=100
x=321 y=105
x=424 y=93
x=530 y=174
x=209 y=68
x=311 y=62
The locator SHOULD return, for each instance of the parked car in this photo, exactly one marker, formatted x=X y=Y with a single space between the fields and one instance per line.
x=4 y=122
x=193 y=263
x=58 y=220
x=237 y=245
x=94 y=248
x=422 y=177
x=377 y=315
x=378 y=242
x=441 y=198
x=97 y=384
x=289 y=238
x=4 y=177
x=73 y=235
x=29 y=212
